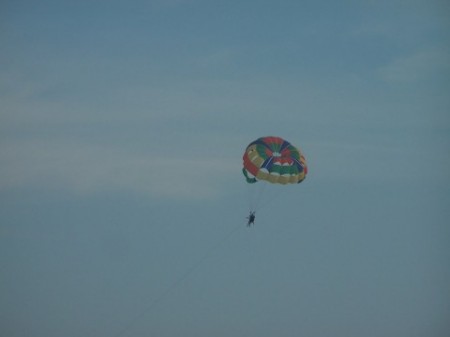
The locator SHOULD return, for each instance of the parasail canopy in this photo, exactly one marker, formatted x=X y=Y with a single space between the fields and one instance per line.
x=274 y=160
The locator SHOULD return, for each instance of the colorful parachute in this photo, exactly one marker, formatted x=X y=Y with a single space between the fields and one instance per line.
x=275 y=160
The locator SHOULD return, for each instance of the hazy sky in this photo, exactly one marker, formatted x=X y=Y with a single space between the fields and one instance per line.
x=122 y=128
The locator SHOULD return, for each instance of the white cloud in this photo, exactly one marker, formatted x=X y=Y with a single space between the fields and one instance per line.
x=419 y=66
x=83 y=168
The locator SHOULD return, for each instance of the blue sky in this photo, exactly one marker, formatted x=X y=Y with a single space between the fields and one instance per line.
x=123 y=208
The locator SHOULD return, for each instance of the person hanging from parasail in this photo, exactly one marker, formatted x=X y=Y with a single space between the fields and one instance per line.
x=251 y=219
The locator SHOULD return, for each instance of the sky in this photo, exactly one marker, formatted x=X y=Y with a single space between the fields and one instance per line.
x=122 y=202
